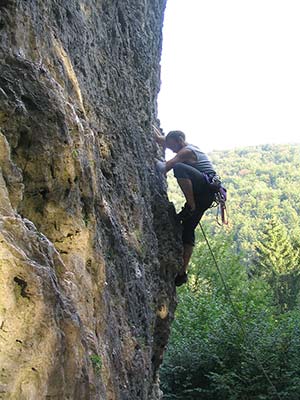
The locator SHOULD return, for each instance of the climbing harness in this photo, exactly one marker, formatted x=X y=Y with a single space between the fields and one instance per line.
x=220 y=194
x=237 y=315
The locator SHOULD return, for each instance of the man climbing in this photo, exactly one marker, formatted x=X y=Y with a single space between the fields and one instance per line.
x=194 y=172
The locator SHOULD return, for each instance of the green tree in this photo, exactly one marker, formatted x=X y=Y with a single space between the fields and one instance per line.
x=210 y=357
x=277 y=261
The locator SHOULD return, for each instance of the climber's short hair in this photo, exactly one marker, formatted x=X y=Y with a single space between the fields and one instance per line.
x=176 y=135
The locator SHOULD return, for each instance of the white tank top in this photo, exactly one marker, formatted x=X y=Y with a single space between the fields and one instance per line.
x=203 y=163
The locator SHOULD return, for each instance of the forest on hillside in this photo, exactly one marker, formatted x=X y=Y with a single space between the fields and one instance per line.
x=241 y=341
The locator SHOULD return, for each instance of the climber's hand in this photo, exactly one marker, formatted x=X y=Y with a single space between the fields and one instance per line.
x=161 y=166
x=160 y=139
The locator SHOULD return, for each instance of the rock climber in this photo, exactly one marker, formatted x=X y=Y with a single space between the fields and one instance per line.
x=194 y=172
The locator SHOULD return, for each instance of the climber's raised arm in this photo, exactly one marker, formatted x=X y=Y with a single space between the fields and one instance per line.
x=160 y=139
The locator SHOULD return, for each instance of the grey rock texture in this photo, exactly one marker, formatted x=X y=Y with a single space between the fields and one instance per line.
x=88 y=243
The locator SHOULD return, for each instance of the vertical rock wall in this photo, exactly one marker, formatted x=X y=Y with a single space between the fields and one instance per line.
x=88 y=244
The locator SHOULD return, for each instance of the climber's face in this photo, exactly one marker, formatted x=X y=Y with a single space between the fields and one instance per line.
x=174 y=144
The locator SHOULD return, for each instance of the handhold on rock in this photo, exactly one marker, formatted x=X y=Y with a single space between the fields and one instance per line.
x=161 y=166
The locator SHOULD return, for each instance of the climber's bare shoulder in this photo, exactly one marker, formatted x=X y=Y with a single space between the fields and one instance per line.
x=186 y=155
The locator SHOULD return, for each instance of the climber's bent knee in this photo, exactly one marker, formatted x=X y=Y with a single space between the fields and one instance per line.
x=185 y=171
x=181 y=171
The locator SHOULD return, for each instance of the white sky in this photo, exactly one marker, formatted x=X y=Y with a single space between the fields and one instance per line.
x=231 y=72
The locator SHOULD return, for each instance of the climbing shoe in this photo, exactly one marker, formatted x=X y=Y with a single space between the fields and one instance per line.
x=185 y=213
x=181 y=279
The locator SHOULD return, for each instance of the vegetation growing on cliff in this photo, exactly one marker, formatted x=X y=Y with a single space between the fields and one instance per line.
x=213 y=355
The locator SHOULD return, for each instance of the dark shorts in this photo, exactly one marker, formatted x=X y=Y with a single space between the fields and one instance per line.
x=203 y=195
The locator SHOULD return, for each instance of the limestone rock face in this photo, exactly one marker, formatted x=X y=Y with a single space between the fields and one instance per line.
x=88 y=243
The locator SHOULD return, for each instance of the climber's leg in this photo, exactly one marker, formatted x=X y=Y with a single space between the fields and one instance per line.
x=186 y=175
x=187 y=188
x=191 y=182
x=203 y=202
x=188 y=238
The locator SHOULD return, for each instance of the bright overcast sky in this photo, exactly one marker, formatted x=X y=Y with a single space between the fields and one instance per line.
x=231 y=72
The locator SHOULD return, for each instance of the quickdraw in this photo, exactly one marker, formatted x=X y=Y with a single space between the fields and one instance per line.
x=220 y=198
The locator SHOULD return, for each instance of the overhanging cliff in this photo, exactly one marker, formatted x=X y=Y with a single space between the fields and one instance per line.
x=88 y=244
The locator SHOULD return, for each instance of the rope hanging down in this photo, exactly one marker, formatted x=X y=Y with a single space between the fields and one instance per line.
x=237 y=316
